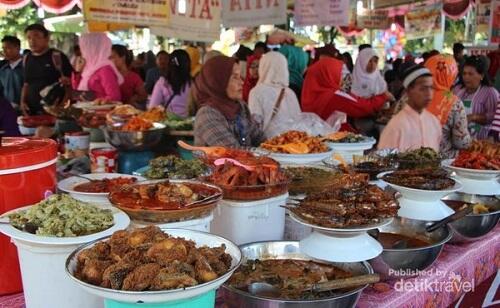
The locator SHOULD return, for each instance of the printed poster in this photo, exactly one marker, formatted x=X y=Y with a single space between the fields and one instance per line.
x=135 y=12
x=250 y=13
x=193 y=20
x=423 y=22
x=321 y=12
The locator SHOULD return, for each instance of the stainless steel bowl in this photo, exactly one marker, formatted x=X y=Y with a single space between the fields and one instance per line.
x=290 y=250
x=394 y=263
x=474 y=226
x=134 y=141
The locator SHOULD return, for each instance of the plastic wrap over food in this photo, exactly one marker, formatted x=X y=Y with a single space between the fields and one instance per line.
x=307 y=122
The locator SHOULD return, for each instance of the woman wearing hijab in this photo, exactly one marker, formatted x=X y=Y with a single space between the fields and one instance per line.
x=223 y=120
x=271 y=101
x=252 y=75
x=171 y=91
x=366 y=78
x=447 y=107
x=323 y=95
x=297 y=64
x=194 y=56
x=97 y=73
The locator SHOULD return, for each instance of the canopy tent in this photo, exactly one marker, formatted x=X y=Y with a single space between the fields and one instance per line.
x=51 y=6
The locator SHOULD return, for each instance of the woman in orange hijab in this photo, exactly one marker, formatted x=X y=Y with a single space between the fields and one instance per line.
x=447 y=107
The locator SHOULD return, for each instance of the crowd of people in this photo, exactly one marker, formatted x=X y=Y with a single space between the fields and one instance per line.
x=443 y=102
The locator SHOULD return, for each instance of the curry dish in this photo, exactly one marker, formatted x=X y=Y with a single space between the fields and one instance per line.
x=291 y=277
x=149 y=260
x=104 y=185
x=161 y=196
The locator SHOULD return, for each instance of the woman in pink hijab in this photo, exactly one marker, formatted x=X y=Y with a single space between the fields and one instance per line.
x=97 y=73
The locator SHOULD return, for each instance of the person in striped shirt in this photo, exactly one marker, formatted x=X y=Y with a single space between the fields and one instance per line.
x=479 y=97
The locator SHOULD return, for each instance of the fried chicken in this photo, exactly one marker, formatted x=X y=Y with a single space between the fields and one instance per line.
x=148 y=259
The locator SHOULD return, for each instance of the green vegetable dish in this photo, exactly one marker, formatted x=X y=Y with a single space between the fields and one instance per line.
x=173 y=167
x=419 y=158
x=177 y=123
x=62 y=216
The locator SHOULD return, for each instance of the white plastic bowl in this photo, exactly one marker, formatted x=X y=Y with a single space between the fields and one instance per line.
x=350 y=244
x=326 y=247
x=149 y=297
x=421 y=194
x=348 y=150
x=68 y=185
x=423 y=204
x=42 y=260
x=300 y=159
x=471 y=173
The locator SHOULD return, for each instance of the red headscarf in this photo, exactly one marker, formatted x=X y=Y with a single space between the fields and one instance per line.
x=444 y=71
x=323 y=79
x=211 y=83
x=250 y=82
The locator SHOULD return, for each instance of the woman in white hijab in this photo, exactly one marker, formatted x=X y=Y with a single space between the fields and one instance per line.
x=366 y=79
x=271 y=101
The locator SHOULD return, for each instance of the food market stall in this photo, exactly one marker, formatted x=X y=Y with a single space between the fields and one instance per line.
x=365 y=240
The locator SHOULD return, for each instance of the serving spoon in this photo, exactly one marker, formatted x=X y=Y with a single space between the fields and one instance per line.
x=206 y=150
x=268 y=290
x=467 y=209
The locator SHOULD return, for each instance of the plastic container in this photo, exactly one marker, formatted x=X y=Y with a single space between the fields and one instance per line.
x=27 y=174
x=200 y=224
x=42 y=261
x=206 y=300
x=252 y=221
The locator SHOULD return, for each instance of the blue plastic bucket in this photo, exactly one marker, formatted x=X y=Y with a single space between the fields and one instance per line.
x=206 y=300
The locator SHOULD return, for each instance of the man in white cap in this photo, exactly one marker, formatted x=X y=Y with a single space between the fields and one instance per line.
x=414 y=127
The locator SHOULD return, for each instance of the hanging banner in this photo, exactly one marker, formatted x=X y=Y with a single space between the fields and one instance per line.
x=135 y=12
x=423 y=22
x=192 y=21
x=249 y=13
x=373 y=19
x=483 y=14
x=392 y=3
x=495 y=22
x=321 y=12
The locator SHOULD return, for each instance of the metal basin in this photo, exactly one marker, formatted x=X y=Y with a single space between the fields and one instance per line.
x=134 y=141
x=290 y=250
x=403 y=263
x=474 y=226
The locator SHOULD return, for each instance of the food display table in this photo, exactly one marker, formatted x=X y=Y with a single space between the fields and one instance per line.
x=457 y=264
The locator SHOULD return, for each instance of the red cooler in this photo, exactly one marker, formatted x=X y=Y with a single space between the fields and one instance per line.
x=27 y=174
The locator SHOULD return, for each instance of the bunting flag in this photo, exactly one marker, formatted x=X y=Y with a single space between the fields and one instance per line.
x=456 y=9
x=56 y=6
x=13 y=4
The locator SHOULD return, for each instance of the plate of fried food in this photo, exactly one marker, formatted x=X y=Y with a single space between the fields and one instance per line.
x=349 y=204
x=349 y=141
x=152 y=265
x=295 y=147
x=97 y=105
x=95 y=187
x=251 y=178
x=480 y=161
x=165 y=201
